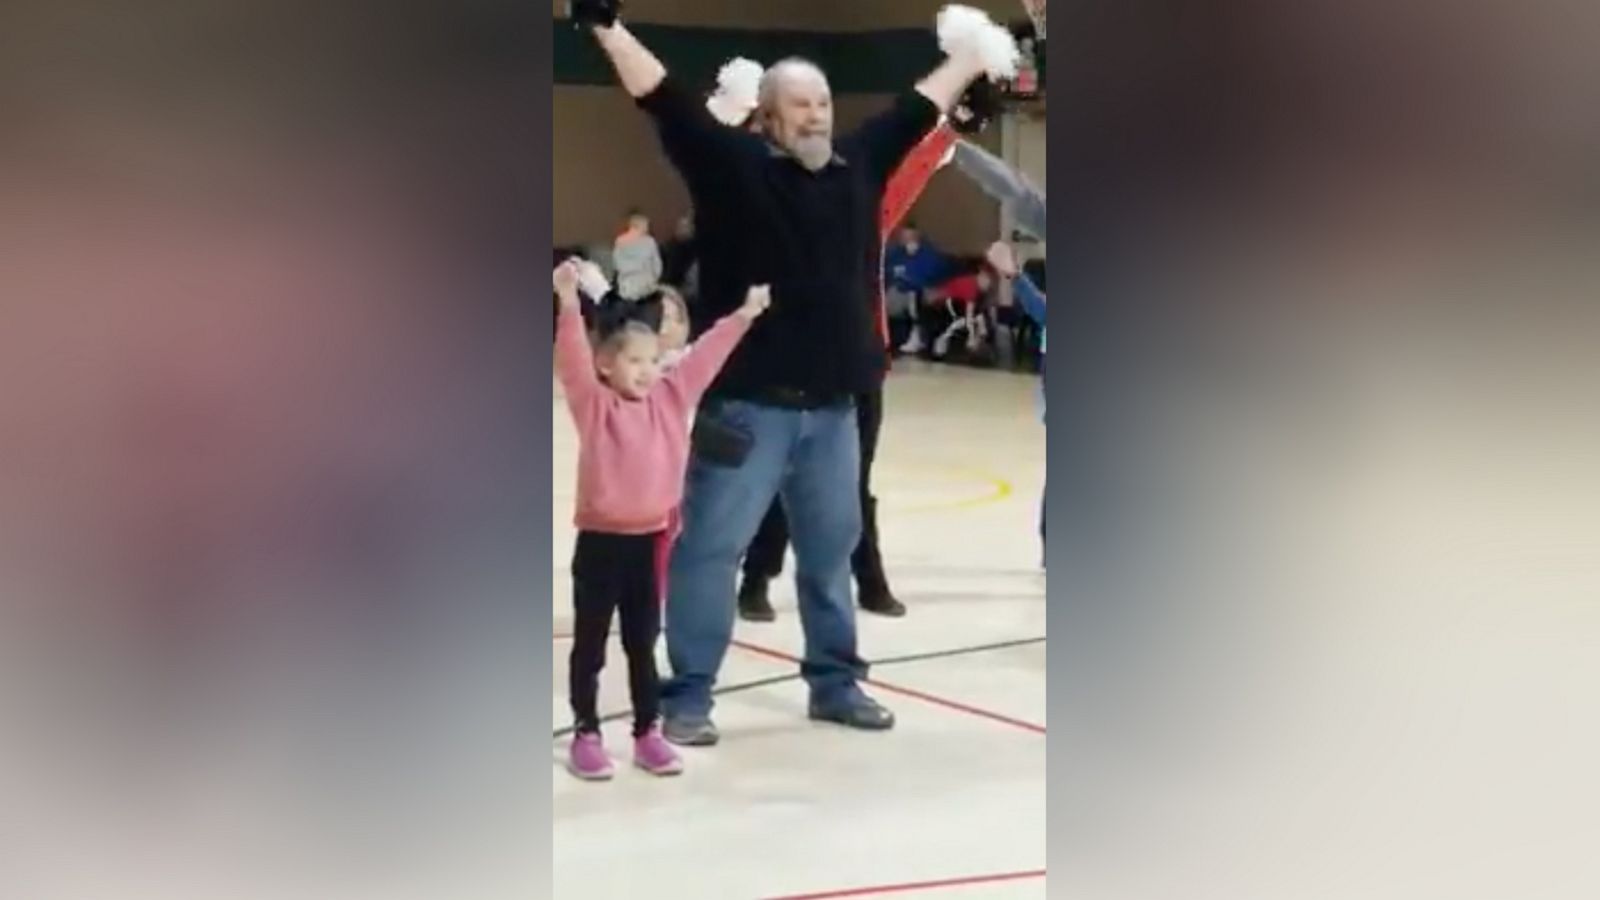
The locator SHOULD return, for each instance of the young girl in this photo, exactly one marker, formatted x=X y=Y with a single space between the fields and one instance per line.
x=632 y=423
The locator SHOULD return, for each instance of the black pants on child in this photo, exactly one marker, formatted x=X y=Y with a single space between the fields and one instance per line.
x=615 y=573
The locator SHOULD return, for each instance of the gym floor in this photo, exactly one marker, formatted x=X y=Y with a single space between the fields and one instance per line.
x=951 y=803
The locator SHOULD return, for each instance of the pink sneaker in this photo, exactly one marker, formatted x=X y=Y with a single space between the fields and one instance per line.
x=652 y=753
x=588 y=759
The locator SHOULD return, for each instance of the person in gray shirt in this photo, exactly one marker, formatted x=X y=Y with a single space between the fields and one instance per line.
x=1004 y=184
x=637 y=259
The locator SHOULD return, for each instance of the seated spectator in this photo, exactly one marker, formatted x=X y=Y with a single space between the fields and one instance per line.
x=911 y=266
x=960 y=303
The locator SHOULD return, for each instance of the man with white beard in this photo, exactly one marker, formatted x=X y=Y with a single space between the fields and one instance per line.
x=797 y=209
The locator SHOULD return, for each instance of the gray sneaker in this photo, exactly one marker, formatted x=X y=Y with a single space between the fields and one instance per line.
x=686 y=732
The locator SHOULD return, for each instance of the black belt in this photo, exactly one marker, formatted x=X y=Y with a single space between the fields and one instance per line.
x=793 y=398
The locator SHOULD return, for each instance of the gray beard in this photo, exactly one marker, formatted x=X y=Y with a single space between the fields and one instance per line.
x=812 y=152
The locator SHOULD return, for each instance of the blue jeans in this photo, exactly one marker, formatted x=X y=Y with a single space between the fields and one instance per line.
x=812 y=458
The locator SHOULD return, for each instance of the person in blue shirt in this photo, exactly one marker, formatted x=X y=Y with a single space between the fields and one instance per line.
x=911 y=267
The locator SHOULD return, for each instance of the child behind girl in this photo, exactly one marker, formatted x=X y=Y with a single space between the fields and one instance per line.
x=674 y=329
x=632 y=422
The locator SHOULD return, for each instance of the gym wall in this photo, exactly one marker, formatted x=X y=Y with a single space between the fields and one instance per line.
x=821 y=15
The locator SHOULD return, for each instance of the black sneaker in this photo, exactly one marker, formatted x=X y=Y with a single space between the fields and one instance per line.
x=754 y=605
x=879 y=600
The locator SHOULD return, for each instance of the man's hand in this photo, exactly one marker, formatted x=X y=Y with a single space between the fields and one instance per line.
x=755 y=303
x=594 y=13
x=566 y=283
x=976 y=108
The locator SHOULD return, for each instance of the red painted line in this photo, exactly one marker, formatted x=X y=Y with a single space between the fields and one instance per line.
x=917 y=886
x=907 y=692
x=768 y=652
x=958 y=707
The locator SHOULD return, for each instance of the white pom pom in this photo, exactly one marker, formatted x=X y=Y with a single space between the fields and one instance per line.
x=730 y=114
x=965 y=32
x=738 y=91
x=592 y=281
x=740 y=80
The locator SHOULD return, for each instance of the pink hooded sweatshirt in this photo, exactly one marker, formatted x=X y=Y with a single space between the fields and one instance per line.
x=633 y=454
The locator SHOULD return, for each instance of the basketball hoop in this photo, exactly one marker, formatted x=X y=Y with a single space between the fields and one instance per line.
x=1035 y=10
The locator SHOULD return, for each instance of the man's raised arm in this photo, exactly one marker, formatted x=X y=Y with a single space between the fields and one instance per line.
x=699 y=146
x=637 y=68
